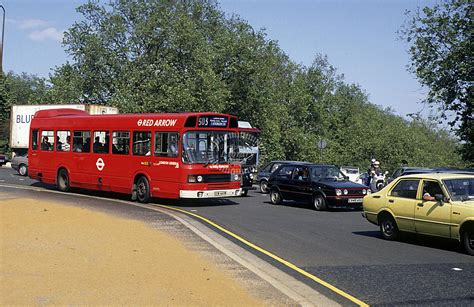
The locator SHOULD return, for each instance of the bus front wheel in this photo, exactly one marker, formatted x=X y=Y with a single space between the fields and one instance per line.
x=143 y=190
x=63 y=181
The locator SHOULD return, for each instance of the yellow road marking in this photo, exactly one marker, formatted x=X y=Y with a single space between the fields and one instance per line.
x=263 y=251
x=275 y=257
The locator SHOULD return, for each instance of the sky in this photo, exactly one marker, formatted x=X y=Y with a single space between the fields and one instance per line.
x=358 y=36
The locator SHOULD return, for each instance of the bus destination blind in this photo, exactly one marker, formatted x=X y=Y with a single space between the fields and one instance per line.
x=213 y=121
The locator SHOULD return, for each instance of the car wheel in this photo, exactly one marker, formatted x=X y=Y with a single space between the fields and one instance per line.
x=143 y=190
x=62 y=181
x=264 y=186
x=244 y=193
x=388 y=228
x=468 y=241
x=275 y=197
x=23 y=170
x=319 y=202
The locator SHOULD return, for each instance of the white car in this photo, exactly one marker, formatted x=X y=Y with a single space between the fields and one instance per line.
x=20 y=164
x=352 y=172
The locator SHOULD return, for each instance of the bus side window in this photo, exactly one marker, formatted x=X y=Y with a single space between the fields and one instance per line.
x=47 y=140
x=101 y=142
x=81 y=141
x=34 y=139
x=63 y=139
x=121 y=142
x=141 y=143
x=166 y=144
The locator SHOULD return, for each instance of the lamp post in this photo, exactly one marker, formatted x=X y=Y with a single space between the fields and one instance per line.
x=1 y=47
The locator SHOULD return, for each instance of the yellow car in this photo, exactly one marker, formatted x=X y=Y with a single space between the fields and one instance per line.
x=438 y=204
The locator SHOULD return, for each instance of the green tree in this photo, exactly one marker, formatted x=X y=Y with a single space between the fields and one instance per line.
x=442 y=57
x=4 y=114
x=175 y=56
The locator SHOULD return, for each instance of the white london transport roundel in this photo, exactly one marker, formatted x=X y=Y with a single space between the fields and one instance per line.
x=100 y=164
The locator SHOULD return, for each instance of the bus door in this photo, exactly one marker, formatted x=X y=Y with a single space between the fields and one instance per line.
x=165 y=167
x=82 y=161
x=98 y=166
x=46 y=154
x=118 y=170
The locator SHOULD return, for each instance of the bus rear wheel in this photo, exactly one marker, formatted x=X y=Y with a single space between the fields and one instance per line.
x=143 y=190
x=63 y=181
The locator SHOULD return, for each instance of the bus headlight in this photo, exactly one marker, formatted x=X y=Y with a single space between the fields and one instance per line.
x=235 y=177
x=199 y=178
x=338 y=192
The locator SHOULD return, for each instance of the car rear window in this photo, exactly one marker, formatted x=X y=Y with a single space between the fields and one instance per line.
x=274 y=167
x=406 y=189
x=286 y=172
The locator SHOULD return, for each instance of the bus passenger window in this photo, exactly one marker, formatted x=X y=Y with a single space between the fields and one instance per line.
x=166 y=144
x=101 y=142
x=81 y=141
x=63 y=141
x=34 y=140
x=47 y=140
x=121 y=142
x=141 y=143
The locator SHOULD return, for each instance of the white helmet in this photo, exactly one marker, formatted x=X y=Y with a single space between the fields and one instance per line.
x=376 y=163
x=373 y=161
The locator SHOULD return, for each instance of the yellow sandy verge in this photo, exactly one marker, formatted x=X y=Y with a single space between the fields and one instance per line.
x=55 y=254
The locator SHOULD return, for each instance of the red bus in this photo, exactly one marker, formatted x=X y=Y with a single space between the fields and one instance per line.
x=175 y=155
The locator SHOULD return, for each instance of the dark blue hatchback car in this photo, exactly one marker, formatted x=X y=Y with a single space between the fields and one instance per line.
x=323 y=186
x=264 y=174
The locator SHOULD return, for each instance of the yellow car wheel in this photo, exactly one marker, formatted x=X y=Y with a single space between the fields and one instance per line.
x=388 y=227
x=468 y=241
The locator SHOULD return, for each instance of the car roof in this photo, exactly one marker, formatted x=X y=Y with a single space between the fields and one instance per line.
x=440 y=176
x=438 y=170
x=308 y=164
x=289 y=162
x=409 y=168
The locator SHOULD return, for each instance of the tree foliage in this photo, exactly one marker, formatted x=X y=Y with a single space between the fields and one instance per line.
x=442 y=57
x=176 y=56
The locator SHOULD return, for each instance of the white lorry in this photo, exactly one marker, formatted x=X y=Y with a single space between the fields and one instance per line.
x=21 y=116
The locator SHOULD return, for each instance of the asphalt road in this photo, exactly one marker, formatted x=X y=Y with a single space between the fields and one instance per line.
x=341 y=248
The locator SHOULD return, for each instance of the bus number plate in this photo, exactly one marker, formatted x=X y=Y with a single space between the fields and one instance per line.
x=219 y=193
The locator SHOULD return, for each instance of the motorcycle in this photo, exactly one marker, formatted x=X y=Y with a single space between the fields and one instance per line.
x=377 y=181
x=247 y=181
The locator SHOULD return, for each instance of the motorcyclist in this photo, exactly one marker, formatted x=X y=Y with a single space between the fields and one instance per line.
x=376 y=169
x=377 y=177
x=369 y=171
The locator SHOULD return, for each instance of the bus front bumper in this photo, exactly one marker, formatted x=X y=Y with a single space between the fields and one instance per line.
x=209 y=193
